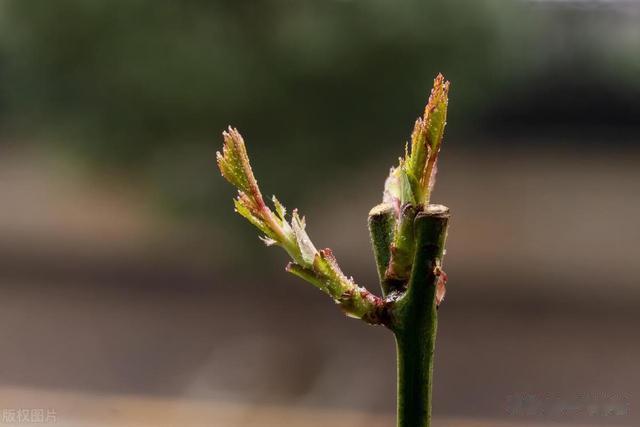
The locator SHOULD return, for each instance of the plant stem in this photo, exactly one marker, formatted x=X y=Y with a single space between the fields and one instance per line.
x=381 y=225
x=415 y=320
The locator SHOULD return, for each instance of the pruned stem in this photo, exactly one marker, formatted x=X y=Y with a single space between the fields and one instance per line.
x=381 y=226
x=415 y=320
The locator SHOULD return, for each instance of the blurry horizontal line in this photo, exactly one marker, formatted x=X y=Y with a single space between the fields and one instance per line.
x=114 y=410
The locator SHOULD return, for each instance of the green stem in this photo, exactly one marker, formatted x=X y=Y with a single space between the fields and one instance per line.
x=381 y=225
x=415 y=320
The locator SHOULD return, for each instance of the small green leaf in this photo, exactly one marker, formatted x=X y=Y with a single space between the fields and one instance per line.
x=245 y=211
x=280 y=210
x=234 y=162
x=307 y=250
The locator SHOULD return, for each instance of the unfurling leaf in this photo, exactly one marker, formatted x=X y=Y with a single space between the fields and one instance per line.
x=441 y=286
x=317 y=267
x=413 y=180
x=409 y=185
x=307 y=250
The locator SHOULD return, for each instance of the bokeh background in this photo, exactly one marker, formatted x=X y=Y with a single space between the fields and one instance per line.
x=131 y=294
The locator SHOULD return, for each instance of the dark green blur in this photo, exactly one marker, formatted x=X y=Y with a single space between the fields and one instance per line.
x=146 y=87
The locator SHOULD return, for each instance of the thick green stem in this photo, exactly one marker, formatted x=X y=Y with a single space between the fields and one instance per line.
x=381 y=225
x=415 y=320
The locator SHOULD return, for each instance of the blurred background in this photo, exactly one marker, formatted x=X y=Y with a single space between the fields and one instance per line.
x=131 y=294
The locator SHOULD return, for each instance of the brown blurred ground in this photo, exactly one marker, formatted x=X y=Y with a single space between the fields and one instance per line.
x=110 y=410
x=105 y=307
